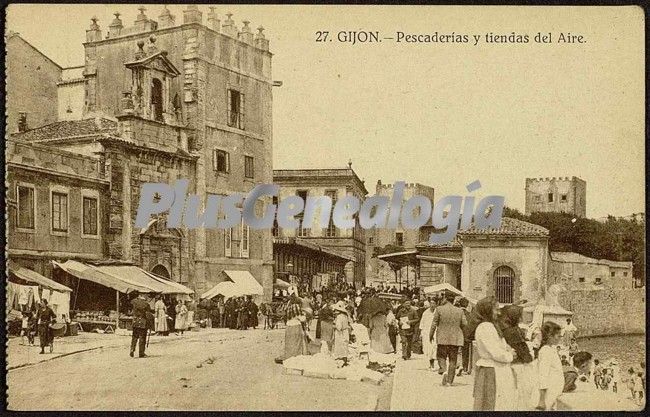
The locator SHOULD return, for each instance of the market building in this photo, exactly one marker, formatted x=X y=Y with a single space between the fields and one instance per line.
x=509 y=263
x=306 y=264
x=334 y=183
x=187 y=100
x=56 y=204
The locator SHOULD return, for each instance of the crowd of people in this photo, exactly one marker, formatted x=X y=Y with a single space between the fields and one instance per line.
x=234 y=313
x=516 y=367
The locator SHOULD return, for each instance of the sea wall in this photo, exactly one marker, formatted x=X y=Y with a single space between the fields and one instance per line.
x=607 y=311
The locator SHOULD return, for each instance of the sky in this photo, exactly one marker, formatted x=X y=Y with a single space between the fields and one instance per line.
x=441 y=114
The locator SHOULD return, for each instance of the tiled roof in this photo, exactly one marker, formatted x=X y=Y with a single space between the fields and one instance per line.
x=454 y=243
x=509 y=227
x=572 y=257
x=69 y=128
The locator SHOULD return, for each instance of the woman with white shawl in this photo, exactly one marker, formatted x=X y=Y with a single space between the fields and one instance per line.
x=429 y=346
x=494 y=387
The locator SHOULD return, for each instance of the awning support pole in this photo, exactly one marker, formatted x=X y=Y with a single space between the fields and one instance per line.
x=117 y=306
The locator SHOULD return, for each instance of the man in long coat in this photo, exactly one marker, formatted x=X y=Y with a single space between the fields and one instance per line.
x=448 y=321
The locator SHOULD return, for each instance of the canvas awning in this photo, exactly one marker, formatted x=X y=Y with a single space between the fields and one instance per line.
x=123 y=278
x=445 y=286
x=32 y=276
x=245 y=281
x=226 y=288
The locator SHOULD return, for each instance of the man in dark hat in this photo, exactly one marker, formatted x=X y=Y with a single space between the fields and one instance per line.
x=407 y=317
x=140 y=308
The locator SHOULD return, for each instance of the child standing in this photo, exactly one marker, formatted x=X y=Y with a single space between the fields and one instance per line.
x=551 y=375
x=630 y=382
x=24 y=327
x=638 y=393
x=598 y=372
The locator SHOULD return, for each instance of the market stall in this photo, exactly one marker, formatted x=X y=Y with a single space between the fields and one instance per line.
x=25 y=288
x=121 y=278
x=235 y=284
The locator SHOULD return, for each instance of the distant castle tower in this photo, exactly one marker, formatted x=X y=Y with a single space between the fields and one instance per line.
x=558 y=195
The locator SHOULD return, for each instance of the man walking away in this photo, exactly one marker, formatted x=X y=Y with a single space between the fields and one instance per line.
x=463 y=303
x=449 y=322
x=140 y=309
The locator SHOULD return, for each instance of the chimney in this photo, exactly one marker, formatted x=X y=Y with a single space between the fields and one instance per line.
x=229 y=26
x=260 y=41
x=166 y=18
x=141 y=21
x=22 y=122
x=192 y=15
x=93 y=34
x=213 y=21
x=115 y=28
x=246 y=35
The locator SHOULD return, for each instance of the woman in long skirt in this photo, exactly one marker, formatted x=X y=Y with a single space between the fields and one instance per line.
x=429 y=345
x=379 y=340
x=493 y=382
x=161 y=316
x=326 y=317
x=296 y=341
x=341 y=332
x=181 y=317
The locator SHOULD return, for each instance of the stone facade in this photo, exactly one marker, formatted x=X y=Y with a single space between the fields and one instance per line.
x=558 y=195
x=575 y=271
x=333 y=182
x=33 y=241
x=179 y=93
x=31 y=84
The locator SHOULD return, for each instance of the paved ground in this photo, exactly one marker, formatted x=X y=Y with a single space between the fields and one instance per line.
x=178 y=375
x=416 y=388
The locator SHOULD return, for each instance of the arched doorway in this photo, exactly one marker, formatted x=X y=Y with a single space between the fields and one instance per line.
x=504 y=283
x=161 y=271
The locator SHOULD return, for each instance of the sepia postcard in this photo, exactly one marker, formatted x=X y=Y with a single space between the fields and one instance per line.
x=325 y=208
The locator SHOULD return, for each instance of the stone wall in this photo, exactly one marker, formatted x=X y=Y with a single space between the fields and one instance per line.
x=606 y=311
x=31 y=84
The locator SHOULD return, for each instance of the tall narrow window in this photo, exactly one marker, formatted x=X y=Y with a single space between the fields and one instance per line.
x=399 y=239
x=157 y=99
x=276 y=227
x=504 y=279
x=89 y=216
x=244 y=246
x=228 y=242
x=302 y=232
x=59 y=212
x=550 y=197
x=249 y=168
x=26 y=207
x=331 y=227
x=235 y=109
x=221 y=161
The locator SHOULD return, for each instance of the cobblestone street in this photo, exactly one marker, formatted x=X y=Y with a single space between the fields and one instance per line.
x=207 y=370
